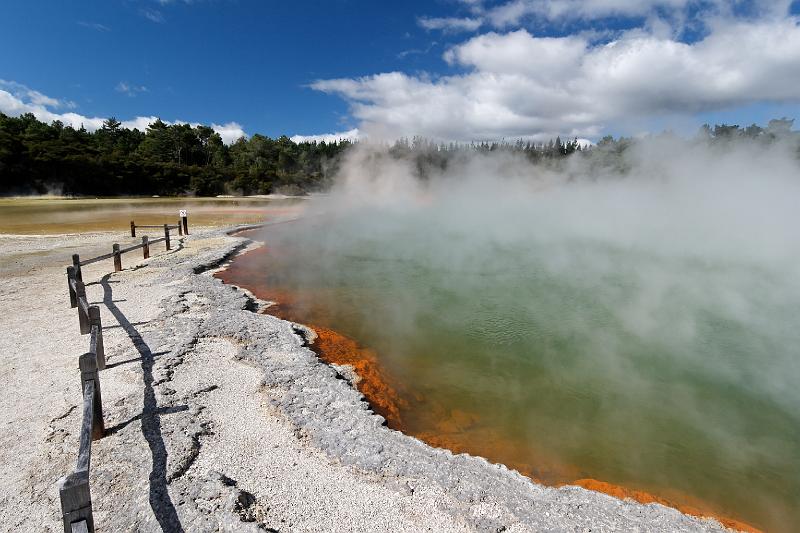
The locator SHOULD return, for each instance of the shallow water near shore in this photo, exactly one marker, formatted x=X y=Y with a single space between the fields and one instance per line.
x=564 y=360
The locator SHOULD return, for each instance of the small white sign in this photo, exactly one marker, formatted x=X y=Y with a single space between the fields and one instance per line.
x=182 y=212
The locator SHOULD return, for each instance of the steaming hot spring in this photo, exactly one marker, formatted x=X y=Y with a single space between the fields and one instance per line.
x=635 y=334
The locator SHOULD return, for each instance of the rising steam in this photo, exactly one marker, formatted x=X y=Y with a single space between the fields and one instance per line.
x=660 y=280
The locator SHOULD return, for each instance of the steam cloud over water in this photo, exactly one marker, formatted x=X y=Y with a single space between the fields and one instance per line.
x=631 y=318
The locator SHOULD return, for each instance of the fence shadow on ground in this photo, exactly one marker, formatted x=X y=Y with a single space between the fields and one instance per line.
x=160 y=501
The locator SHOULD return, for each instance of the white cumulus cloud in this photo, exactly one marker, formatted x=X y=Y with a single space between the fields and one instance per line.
x=349 y=135
x=17 y=99
x=230 y=131
x=519 y=85
x=20 y=91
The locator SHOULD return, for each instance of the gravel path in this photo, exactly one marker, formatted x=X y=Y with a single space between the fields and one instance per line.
x=221 y=419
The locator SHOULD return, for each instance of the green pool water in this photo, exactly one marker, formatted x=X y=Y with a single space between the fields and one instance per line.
x=568 y=355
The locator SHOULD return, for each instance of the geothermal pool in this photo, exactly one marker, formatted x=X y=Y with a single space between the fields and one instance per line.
x=567 y=357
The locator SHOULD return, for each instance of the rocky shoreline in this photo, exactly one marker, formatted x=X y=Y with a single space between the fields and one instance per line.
x=223 y=419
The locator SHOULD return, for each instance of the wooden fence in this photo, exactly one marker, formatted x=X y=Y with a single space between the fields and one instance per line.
x=116 y=251
x=182 y=226
x=76 y=500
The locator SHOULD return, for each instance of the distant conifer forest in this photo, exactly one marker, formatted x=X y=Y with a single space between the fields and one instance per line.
x=181 y=159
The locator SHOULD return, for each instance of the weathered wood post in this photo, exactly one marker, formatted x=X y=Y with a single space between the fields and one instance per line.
x=185 y=221
x=117 y=258
x=76 y=500
x=80 y=527
x=76 y=262
x=180 y=228
x=73 y=299
x=166 y=236
x=73 y=489
x=83 y=317
x=133 y=229
x=96 y=342
x=88 y=365
x=145 y=246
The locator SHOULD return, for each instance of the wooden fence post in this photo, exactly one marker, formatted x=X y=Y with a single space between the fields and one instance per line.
x=185 y=225
x=117 y=258
x=76 y=262
x=166 y=236
x=80 y=527
x=97 y=336
x=133 y=229
x=180 y=228
x=88 y=365
x=145 y=246
x=83 y=318
x=76 y=500
x=73 y=299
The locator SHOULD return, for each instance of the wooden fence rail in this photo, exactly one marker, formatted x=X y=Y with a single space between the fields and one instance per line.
x=116 y=251
x=73 y=489
x=182 y=226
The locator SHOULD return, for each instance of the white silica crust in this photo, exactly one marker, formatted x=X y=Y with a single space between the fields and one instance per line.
x=222 y=419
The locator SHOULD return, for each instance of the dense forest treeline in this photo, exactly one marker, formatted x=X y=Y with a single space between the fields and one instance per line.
x=38 y=158
x=180 y=159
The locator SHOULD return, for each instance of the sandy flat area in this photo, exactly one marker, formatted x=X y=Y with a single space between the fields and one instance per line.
x=222 y=419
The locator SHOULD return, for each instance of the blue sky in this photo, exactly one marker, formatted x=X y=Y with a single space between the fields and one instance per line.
x=407 y=67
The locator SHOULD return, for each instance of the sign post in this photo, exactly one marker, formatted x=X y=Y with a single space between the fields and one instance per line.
x=184 y=221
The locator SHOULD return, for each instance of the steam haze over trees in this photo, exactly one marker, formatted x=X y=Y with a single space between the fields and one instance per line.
x=39 y=158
